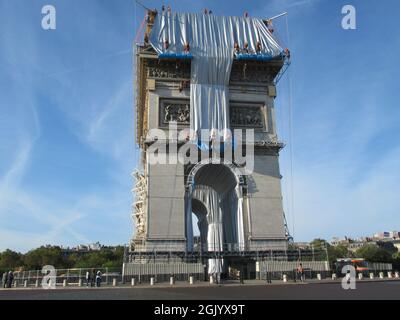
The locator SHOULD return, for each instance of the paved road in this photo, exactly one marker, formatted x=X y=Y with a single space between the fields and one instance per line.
x=386 y=290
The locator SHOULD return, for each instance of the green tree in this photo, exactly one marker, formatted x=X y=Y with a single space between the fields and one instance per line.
x=322 y=247
x=35 y=259
x=396 y=261
x=72 y=260
x=45 y=255
x=319 y=244
x=91 y=260
x=105 y=258
x=10 y=260
x=339 y=251
x=372 y=253
x=396 y=256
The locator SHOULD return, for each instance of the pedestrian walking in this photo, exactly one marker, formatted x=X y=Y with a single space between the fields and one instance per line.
x=10 y=278
x=4 y=279
x=269 y=277
x=92 y=277
x=88 y=278
x=98 y=279
x=300 y=272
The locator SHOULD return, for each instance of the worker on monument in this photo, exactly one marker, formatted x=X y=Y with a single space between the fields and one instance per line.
x=246 y=48
x=166 y=44
x=287 y=53
x=270 y=26
x=236 y=48
x=186 y=48
x=258 y=47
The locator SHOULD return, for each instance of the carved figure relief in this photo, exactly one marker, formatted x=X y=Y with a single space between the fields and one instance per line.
x=246 y=116
x=178 y=111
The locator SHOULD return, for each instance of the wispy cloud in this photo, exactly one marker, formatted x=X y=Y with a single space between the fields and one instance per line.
x=346 y=152
x=103 y=132
x=326 y=202
x=291 y=4
x=40 y=80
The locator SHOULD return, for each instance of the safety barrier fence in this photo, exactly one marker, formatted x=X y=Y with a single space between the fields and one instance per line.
x=173 y=246
x=76 y=276
x=173 y=252
x=273 y=270
x=277 y=270
x=163 y=277
x=309 y=274
x=378 y=266
x=163 y=271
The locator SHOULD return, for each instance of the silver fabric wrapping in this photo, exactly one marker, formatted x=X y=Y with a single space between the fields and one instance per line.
x=224 y=220
x=211 y=39
x=189 y=221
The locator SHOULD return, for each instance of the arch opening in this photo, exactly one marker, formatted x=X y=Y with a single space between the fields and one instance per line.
x=200 y=212
x=216 y=199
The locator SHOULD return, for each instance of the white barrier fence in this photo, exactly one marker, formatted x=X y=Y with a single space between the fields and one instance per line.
x=282 y=266
x=287 y=269
x=379 y=266
x=163 y=271
x=63 y=277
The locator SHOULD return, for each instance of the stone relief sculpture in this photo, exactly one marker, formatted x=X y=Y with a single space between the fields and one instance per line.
x=251 y=73
x=168 y=71
x=240 y=115
x=178 y=112
x=246 y=116
x=140 y=192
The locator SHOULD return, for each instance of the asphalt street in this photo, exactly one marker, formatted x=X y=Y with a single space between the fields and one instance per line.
x=385 y=290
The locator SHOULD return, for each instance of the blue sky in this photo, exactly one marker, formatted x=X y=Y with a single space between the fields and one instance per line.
x=67 y=122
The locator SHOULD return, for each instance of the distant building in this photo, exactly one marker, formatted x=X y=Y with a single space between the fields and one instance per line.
x=80 y=247
x=341 y=241
x=387 y=235
x=388 y=240
x=396 y=244
x=95 y=246
x=382 y=235
x=394 y=234
x=302 y=245
x=355 y=245
x=366 y=239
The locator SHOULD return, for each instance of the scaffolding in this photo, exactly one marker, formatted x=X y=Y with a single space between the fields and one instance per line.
x=139 y=207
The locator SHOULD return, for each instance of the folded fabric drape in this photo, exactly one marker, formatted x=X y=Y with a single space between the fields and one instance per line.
x=211 y=39
x=225 y=222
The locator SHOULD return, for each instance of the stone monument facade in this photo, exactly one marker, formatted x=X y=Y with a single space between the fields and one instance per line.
x=164 y=192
